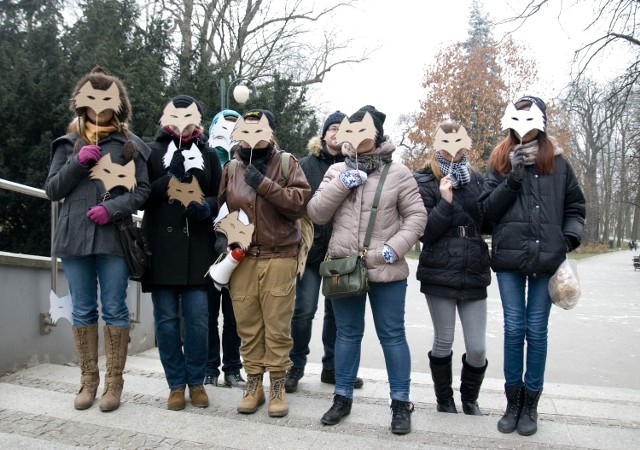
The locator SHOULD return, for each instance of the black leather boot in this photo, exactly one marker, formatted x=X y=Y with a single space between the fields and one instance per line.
x=470 y=383
x=401 y=417
x=528 y=422
x=442 y=378
x=341 y=407
x=515 y=399
x=291 y=379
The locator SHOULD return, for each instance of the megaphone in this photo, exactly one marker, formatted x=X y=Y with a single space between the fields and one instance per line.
x=221 y=271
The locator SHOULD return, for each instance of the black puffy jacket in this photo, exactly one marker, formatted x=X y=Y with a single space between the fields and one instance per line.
x=314 y=166
x=535 y=222
x=454 y=262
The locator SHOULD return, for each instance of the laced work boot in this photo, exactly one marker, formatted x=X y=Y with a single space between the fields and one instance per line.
x=341 y=407
x=86 y=342
x=252 y=396
x=515 y=399
x=115 y=348
x=291 y=379
x=528 y=422
x=278 y=406
x=401 y=417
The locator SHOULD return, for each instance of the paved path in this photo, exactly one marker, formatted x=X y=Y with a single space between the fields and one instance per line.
x=591 y=398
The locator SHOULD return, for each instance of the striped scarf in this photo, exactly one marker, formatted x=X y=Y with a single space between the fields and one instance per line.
x=457 y=171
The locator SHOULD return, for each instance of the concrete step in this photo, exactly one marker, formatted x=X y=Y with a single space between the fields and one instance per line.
x=36 y=411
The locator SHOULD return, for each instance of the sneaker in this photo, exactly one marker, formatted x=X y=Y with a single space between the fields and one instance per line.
x=291 y=379
x=234 y=380
x=329 y=377
x=211 y=379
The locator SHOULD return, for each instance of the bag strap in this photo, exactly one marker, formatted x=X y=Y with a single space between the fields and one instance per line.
x=374 y=207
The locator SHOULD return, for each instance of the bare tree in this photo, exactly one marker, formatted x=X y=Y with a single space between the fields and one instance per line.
x=258 y=39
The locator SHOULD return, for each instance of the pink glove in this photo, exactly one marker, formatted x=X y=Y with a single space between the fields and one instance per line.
x=88 y=153
x=98 y=214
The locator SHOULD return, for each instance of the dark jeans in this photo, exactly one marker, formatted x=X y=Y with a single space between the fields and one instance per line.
x=307 y=294
x=231 y=362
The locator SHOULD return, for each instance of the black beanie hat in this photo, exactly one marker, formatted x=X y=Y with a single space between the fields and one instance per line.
x=378 y=120
x=258 y=113
x=335 y=117
x=184 y=101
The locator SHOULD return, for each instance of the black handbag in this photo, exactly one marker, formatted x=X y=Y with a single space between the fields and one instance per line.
x=347 y=276
x=135 y=248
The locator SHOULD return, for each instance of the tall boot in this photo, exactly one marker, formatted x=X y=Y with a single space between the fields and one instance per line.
x=515 y=399
x=252 y=396
x=470 y=383
x=442 y=378
x=528 y=423
x=86 y=341
x=116 y=343
x=278 y=406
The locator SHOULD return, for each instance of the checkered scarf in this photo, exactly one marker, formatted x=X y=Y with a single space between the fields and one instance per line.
x=458 y=171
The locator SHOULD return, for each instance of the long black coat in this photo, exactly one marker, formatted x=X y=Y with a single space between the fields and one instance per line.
x=182 y=248
x=535 y=222
x=452 y=266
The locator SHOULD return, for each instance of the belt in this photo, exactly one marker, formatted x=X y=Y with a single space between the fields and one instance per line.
x=269 y=251
x=462 y=231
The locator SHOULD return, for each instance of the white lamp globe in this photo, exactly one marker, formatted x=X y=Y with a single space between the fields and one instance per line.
x=241 y=93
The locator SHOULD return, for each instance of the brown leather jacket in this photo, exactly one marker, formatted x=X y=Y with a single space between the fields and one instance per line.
x=273 y=208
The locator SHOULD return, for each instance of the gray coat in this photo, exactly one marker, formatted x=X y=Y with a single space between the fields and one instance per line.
x=68 y=180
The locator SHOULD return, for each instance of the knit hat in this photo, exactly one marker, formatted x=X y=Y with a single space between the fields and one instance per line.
x=377 y=116
x=184 y=101
x=258 y=113
x=225 y=113
x=335 y=117
x=535 y=101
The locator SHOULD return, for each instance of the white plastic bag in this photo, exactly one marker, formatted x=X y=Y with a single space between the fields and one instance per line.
x=564 y=285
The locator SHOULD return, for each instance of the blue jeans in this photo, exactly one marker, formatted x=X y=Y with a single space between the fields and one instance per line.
x=83 y=274
x=524 y=318
x=231 y=362
x=307 y=294
x=387 y=306
x=182 y=367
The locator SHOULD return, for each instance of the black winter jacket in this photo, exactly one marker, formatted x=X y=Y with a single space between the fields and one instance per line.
x=536 y=222
x=314 y=166
x=182 y=248
x=453 y=266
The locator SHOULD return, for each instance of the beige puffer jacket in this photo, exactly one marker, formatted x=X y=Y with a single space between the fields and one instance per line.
x=400 y=221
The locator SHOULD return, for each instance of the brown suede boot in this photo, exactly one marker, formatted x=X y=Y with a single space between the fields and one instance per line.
x=176 y=400
x=253 y=395
x=86 y=340
x=278 y=406
x=116 y=342
x=198 y=396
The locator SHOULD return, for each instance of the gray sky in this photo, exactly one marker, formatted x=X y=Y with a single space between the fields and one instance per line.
x=409 y=33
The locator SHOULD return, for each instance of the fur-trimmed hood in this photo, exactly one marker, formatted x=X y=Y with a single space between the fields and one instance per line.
x=315 y=146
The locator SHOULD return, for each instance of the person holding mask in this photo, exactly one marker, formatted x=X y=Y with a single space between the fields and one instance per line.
x=454 y=266
x=345 y=198
x=179 y=228
x=87 y=238
x=262 y=285
x=220 y=140
x=536 y=206
x=323 y=152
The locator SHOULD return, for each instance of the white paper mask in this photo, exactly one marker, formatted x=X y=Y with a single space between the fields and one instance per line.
x=452 y=142
x=193 y=158
x=168 y=156
x=523 y=121
x=252 y=132
x=220 y=133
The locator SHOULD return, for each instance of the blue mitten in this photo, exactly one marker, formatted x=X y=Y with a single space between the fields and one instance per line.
x=353 y=178
x=389 y=254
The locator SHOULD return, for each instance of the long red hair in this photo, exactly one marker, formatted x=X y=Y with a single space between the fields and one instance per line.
x=501 y=162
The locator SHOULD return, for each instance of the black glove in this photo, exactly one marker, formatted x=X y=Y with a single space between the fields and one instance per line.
x=221 y=243
x=517 y=165
x=177 y=165
x=198 y=211
x=253 y=177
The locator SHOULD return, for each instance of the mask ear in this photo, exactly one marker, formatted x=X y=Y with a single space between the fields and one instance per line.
x=97 y=99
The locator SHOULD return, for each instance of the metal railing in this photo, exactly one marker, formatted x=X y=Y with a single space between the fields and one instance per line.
x=39 y=193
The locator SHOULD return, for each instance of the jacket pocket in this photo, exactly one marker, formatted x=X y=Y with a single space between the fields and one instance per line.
x=434 y=257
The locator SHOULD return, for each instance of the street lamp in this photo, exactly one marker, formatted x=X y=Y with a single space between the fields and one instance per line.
x=242 y=89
